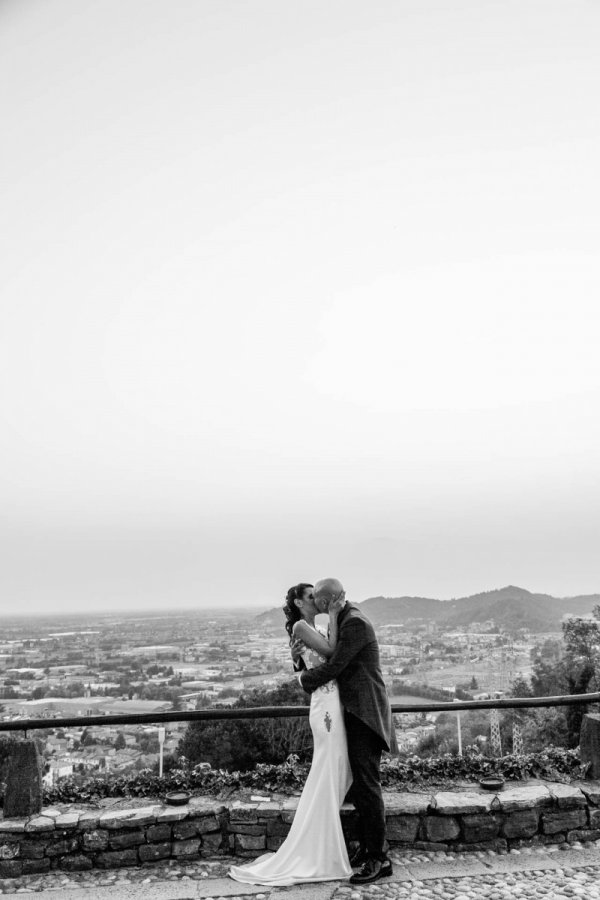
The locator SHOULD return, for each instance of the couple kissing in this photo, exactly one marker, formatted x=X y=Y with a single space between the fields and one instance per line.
x=351 y=723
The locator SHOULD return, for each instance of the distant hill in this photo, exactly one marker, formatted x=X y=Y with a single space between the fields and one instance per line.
x=508 y=606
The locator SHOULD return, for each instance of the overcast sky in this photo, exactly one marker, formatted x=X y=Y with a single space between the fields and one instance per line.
x=291 y=290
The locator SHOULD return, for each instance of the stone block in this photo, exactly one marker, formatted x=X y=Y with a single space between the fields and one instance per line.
x=39 y=823
x=89 y=821
x=76 y=862
x=480 y=827
x=68 y=821
x=583 y=834
x=269 y=810
x=60 y=848
x=182 y=831
x=171 y=814
x=497 y=845
x=23 y=795
x=564 y=820
x=591 y=789
x=185 y=849
x=276 y=828
x=566 y=796
x=126 y=839
x=274 y=842
x=114 y=859
x=59 y=834
x=113 y=820
x=150 y=852
x=289 y=807
x=206 y=824
x=212 y=843
x=142 y=817
x=521 y=824
x=528 y=797
x=158 y=833
x=203 y=806
x=95 y=840
x=10 y=837
x=11 y=868
x=594 y=815
x=9 y=850
x=589 y=743
x=440 y=829
x=35 y=866
x=402 y=828
x=242 y=828
x=558 y=838
x=243 y=812
x=407 y=804
x=432 y=846
x=450 y=803
x=13 y=826
x=33 y=849
x=250 y=842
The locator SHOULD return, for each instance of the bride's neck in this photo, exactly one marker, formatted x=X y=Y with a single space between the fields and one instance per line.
x=309 y=619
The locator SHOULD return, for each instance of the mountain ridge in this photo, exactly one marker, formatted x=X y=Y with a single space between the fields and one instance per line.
x=510 y=607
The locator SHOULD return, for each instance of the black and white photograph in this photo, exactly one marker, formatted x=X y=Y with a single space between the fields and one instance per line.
x=300 y=449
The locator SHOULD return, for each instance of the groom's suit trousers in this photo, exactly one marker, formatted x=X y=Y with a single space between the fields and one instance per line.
x=364 y=751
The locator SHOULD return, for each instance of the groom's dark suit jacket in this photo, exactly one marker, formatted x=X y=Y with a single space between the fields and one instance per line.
x=355 y=665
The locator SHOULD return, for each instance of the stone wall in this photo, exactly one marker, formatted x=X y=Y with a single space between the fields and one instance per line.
x=78 y=840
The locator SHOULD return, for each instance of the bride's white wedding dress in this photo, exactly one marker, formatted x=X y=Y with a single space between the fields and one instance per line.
x=314 y=849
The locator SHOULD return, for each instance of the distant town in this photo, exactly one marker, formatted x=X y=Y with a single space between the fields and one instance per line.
x=107 y=664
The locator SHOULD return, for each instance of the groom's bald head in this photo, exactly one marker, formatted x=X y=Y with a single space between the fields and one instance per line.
x=326 y=590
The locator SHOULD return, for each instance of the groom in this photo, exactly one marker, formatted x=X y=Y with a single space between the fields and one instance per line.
x=355 y=666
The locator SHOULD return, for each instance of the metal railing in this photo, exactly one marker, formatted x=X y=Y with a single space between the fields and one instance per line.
x=284 y=712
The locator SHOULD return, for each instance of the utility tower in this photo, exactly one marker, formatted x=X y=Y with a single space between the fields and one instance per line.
x=517 y=740
x=495 y=739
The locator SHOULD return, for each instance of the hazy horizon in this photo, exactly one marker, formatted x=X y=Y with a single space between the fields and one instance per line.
x=298 y=291
x=162 y=612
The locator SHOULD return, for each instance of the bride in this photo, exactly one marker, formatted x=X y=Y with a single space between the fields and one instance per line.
x=314 y=849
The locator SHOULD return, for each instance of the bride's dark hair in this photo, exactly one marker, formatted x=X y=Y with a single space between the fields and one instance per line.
x=291 y=611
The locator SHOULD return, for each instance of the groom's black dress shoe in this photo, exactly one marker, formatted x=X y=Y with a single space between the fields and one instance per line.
x=372 y=870
x=359 y=857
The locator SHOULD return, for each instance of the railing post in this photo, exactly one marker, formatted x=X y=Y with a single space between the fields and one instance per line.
x=589 y=743
x=23 y=795
x=161 y=745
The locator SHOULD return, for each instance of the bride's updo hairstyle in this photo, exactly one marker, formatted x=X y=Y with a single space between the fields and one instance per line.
x=291 y=611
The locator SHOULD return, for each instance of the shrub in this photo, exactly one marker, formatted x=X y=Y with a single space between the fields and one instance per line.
x=238 y=743
x=554 y=764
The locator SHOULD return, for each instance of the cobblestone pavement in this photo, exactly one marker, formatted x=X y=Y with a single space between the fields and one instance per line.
x=563 y=873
